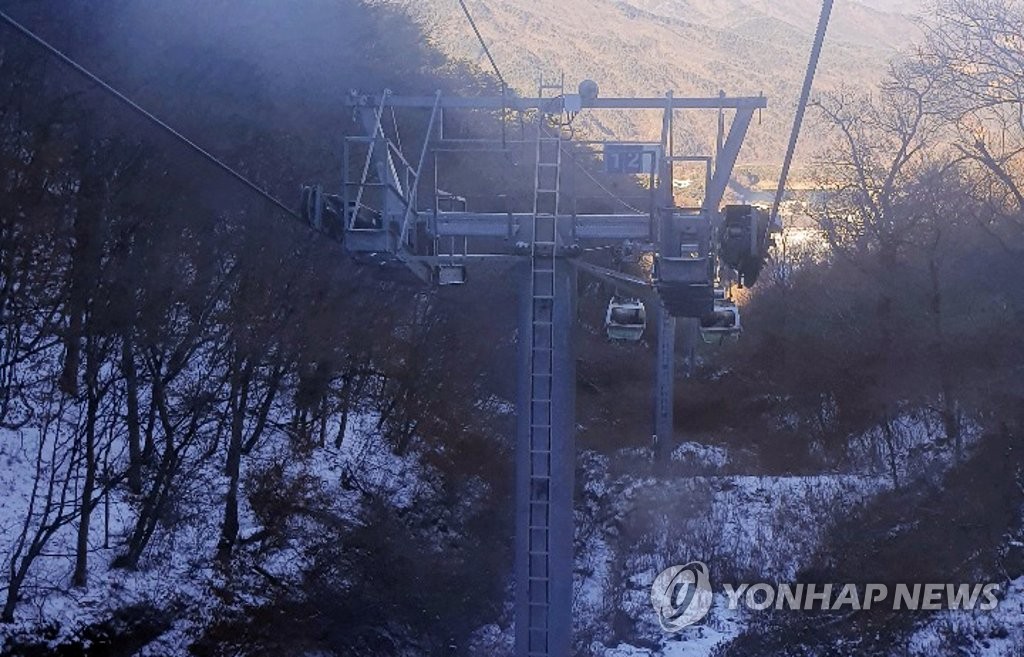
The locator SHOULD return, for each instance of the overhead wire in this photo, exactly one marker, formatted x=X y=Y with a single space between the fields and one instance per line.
x=483 y=44
x=149 y=116
x=805 y=94
x=494 y=65
x=504 y=86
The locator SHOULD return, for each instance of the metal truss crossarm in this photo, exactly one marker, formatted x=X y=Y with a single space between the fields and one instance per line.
x=727 y=159
x=410 y=208
x=525 y=104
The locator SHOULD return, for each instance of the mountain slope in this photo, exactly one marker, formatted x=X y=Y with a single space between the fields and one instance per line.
x=694 y=47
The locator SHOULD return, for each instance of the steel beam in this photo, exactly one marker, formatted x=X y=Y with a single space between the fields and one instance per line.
x=727 y=160
x=613 y=226
x=636 y=286
x=664 y=385
x=507 y=224
x=664 y=370
x=523 y=104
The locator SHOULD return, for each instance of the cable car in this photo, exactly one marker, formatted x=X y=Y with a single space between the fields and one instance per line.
x=625 y=320
x=744 y=241
x=450 y=273
x=722 y=323
x=684 y=278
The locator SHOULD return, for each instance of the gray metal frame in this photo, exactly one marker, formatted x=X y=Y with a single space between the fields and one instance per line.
x=545 y=242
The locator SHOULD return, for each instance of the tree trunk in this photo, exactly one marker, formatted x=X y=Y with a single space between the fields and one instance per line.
x=238 y=401
x=346 y=406
x=17 y=580
x=132 y=422
x=153 y=503
x=950 y=415
x=229 y=530
x=85 y=262
x=80 y=576
x=149 y=446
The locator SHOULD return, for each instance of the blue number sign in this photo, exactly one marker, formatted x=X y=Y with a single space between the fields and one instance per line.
x=629 y=158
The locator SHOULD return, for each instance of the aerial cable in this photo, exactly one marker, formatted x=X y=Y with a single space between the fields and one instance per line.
x=31 y=36
x=483 y=44
x=494 y=65
x=805 y=94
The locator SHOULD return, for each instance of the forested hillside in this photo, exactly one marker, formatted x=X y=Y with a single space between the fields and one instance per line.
x=693 y=47
x=220 y=435
x=210 y=416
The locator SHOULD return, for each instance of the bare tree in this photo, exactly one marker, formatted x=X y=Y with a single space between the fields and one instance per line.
x=51 y=504
x=974 y=53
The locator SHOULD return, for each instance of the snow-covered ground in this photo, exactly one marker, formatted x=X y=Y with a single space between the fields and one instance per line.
x=35 y=462
x=746 y=528
x=176 y=571
x=630 y=528
x=995 y=633
x=721 y=626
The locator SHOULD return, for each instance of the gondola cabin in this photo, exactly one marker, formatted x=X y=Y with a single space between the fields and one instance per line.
x=724 y=323
x=625 y=320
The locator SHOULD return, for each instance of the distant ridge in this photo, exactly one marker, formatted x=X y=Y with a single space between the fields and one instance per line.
x=694 y=47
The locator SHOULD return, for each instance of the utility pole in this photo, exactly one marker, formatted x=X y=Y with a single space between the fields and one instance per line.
x=665 y=363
